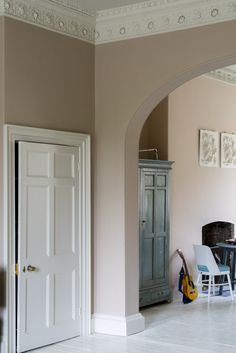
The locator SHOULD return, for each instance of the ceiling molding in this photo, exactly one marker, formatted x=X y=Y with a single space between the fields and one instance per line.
x=126 y=22
x=154 y=17
x=226 y=75
x=57 y=16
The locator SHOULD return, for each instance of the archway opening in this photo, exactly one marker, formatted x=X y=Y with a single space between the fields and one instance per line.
x=132 y=143
x=198 y=194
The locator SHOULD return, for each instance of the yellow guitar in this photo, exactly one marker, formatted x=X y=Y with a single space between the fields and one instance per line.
x=189 y=290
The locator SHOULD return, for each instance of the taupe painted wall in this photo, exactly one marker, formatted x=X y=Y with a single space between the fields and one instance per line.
x=154 y=133
x=132 y=77
x=49 y=79
x=200 y=195
x=49 y=82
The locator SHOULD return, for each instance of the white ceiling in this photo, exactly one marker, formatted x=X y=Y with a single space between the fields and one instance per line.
x=97 y=5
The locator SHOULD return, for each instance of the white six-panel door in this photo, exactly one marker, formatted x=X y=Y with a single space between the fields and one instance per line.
x=48 y=303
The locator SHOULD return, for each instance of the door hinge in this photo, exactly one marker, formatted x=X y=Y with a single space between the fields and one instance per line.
x=16 y=269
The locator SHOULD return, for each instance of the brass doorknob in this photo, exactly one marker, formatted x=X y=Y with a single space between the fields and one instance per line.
x=31 y=268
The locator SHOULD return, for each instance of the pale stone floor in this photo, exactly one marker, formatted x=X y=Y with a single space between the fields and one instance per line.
x=198 y=327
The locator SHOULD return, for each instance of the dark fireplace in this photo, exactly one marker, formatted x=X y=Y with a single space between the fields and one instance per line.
x=217 y=232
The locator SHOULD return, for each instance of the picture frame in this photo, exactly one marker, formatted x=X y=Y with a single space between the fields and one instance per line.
x=228 y=150
x=209 y=148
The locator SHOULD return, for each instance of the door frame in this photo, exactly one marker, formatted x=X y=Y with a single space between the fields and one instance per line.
x=11 y=135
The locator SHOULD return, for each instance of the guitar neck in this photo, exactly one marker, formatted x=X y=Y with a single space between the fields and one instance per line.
x=185 y=267
x=184 y=262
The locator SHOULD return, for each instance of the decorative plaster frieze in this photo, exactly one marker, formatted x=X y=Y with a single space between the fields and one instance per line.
x=1 y=8
x=53 y=16
x=226 y=75
x=154 y=17
x=126 y=22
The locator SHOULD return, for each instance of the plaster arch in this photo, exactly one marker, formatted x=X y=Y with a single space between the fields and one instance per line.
x=131 y=167
x=131 y=78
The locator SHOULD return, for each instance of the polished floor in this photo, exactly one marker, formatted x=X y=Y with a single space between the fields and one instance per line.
x=198 y=327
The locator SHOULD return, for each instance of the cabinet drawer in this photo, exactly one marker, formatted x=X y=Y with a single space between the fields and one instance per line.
x=154 y=295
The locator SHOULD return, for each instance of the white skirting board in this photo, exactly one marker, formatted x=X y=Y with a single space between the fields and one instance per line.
x=118 y=326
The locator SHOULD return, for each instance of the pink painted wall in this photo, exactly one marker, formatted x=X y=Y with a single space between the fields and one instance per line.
x=199 y=195
x=131 y=78
x=58 y=82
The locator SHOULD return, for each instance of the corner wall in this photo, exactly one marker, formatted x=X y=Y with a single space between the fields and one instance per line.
x=154 y=133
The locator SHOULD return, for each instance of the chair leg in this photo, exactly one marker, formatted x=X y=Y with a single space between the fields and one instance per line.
x=198 y=279
x=230 y=286
x=213 y=284
x=209 y=288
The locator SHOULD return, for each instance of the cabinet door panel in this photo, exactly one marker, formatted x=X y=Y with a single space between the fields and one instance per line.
x=149 y=179
x=160 y=259
x=149 y=208
x=160 y=214
x=148 y=249
x=161 y=180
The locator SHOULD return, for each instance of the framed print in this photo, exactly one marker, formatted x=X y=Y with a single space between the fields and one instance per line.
x=228 y=150
x=209 y=148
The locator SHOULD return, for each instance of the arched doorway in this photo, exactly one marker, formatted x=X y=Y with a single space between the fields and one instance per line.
x=132 y=139
x=142 y=73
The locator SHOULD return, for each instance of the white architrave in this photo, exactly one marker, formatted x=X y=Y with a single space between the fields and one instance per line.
x=13 y=134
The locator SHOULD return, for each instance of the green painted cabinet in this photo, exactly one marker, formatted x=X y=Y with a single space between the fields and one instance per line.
x=154 y=231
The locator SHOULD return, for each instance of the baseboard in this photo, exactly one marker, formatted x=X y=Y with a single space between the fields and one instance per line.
x=118 y=326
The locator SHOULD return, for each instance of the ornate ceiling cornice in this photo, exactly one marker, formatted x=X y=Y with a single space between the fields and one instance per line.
x=156 y=17
x=58 y=15
x=126 y=22
x=227 y=75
